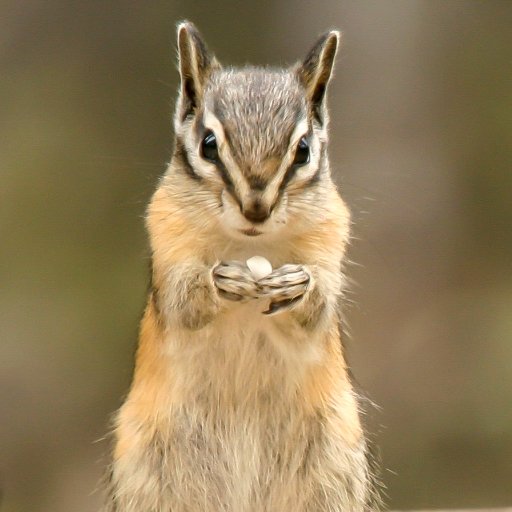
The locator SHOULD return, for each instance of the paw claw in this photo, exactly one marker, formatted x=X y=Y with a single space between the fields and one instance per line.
x=279 y=307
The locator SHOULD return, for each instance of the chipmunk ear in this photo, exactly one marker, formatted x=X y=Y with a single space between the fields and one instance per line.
x=195 y=64
x=315 y=72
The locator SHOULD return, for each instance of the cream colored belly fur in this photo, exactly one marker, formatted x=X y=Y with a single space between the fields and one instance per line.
x=233 y=430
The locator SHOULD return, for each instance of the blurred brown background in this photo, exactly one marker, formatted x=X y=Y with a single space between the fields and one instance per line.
x=421 y=110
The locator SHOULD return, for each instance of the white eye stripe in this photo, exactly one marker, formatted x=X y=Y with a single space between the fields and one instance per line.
x=301 y=130
x=211 y=123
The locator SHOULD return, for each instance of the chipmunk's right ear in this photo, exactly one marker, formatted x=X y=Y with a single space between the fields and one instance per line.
x=195 y=64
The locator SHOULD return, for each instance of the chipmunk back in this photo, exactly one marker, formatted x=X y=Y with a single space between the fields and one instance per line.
x=240 y=400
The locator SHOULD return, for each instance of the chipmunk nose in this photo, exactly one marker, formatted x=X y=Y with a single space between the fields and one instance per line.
x=256 y=211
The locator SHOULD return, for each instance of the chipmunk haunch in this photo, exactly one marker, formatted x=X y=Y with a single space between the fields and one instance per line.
x=241 y=400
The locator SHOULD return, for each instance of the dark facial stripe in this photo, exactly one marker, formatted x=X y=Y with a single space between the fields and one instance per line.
x=226 y=178
x=290 y=172
x=201 y=131
x=313 y=180
x=224 y=174
x=180 y=154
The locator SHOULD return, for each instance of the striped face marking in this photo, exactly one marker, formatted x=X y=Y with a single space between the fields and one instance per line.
x=256 y=144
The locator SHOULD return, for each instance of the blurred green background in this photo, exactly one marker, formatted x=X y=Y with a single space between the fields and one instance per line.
x=421 y=110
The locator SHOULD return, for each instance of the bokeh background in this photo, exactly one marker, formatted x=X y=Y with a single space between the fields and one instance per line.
x=421 y=147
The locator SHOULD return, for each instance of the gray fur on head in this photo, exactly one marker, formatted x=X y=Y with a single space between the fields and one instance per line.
x=259 y=109
x=308 y=79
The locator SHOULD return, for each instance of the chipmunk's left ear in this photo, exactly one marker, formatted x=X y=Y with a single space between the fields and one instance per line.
x=196 y=64
x=316 y=70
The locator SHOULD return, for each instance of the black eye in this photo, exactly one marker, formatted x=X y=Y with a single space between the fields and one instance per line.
x=302 y=152
x=209 y=149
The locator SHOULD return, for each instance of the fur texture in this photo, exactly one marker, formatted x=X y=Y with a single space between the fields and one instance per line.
x=231 y=409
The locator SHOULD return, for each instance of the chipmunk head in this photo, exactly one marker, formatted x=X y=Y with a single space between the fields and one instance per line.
x=254 y=138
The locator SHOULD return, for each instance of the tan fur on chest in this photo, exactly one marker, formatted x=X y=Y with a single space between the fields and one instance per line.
x=235 y=422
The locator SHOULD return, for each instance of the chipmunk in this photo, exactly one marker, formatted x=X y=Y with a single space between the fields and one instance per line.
x=241 y=399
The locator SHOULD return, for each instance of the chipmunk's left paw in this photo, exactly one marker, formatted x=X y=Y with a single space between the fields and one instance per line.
x=285 y=287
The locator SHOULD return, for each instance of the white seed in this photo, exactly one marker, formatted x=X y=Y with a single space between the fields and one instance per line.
x=259 y=266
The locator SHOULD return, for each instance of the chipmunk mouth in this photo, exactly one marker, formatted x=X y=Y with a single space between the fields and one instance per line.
x=251 y=232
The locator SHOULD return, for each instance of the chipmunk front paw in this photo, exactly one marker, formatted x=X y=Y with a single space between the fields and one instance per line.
x=234 y=281
x=285 y=287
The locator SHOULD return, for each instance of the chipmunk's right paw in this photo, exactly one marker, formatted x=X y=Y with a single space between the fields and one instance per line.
x=285 y=287
x=234 y=281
